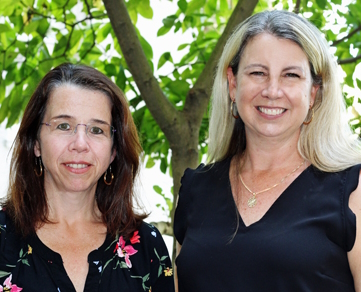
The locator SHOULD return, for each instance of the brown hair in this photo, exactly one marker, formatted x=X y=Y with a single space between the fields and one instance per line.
x=26 y=202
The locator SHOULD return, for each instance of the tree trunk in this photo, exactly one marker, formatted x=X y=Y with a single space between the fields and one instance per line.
x=180 y=127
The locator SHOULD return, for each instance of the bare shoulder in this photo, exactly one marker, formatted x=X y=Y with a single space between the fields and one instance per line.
x=354 y=255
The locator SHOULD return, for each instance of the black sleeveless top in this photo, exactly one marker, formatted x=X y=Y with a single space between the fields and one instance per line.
x=300 y=244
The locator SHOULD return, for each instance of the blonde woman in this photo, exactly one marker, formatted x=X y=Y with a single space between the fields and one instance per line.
x=279 y=204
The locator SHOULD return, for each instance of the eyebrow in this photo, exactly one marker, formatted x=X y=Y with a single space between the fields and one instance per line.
x=256 y=65
x=294 y=67
x=73 y=118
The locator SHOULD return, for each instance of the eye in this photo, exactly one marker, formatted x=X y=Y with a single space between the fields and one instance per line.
x=258 y=73
x=293 y=75
x=96 y=130
x=63 y=127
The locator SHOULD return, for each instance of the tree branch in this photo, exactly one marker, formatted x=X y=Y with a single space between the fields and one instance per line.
x=349 y=60
x=336 y=42
x=198 y=97
x=165 y=114
x=297 y=7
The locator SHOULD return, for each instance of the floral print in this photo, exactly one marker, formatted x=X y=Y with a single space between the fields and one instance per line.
x=8 y=286
x=125 y=251
x=135 y=238
x=168 y=272
x=141 y=263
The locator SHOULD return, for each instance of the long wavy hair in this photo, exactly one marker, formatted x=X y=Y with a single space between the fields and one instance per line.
x=327 y=142
x=26 y=201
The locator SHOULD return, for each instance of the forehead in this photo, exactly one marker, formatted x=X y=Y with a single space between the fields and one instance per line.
x=80 y=103
x=274 y=50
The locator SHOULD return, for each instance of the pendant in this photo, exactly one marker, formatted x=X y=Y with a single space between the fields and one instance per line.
x=252 y=201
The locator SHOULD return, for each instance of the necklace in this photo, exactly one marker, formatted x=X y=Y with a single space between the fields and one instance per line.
x=252 y=201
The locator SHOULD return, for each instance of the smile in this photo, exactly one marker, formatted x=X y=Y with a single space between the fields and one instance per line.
x=77 y=165
x=271 y=111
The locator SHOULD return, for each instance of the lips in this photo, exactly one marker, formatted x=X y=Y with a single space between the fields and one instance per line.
x=271 y=111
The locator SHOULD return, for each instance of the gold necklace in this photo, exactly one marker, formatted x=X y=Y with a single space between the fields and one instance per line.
x=252 y=201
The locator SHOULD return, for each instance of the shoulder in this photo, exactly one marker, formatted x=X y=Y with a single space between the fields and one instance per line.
x=151 y=242
x=206 y=173
x=150 y=233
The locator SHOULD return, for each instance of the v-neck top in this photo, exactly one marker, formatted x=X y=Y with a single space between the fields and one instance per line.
x=299 y=245
x=139 y=264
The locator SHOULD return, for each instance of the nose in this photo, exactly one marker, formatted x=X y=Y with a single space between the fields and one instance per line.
x=80 y=139
x=272 y=89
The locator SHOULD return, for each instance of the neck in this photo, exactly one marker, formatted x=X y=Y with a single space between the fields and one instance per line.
x=72 y=207
x=270 y=154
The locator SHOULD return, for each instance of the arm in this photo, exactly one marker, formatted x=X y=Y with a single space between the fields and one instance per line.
x=178 y=248
x=354 y=256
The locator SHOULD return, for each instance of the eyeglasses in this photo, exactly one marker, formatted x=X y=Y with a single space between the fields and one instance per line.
x=94 y=130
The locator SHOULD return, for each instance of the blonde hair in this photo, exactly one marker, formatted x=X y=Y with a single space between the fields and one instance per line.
x=327 y=142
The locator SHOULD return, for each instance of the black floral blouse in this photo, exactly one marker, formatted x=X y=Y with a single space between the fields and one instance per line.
x=139 y=264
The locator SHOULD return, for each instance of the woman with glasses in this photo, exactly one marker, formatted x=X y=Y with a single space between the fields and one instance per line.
x=68 y=222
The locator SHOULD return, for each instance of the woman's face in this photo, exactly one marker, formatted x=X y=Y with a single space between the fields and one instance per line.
x=273 y=88
x=74 y=163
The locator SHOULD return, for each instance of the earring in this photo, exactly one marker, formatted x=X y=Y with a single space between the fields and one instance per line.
x=40 y=166
x=232 y=110
x=105 y=176
x=313 y=113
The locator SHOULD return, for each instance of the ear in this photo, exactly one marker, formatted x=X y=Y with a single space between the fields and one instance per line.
x=232 y=83
x=113 y=155
x=314 y=90
x=37 y=151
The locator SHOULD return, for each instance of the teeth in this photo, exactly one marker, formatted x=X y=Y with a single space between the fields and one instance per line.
x=271 y=111
x=77 y=165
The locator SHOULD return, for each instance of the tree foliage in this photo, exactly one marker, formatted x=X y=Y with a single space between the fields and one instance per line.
x=169 y=110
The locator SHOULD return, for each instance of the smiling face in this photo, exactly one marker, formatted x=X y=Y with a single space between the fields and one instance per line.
x=74 y=163
x=273 y=87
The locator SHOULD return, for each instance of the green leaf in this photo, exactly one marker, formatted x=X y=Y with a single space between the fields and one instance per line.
x=321 y=3
x=4 y=110
x=110 y=69
x=195 y=5
x=43 y=27
x=158 y=189
x=182 y=4
x=103 y=32
x=2 y=90
x=169 y=20
x=150 y=162
x=164 y=58
x=32 y=26
x=4 y=28
x=144 y=9
x=358 y=82
x=181 y=47
x=163 y=165
x=163 y=30
x=5 y=3
x=147 y=48
x=121 y=78
x=179 y=87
